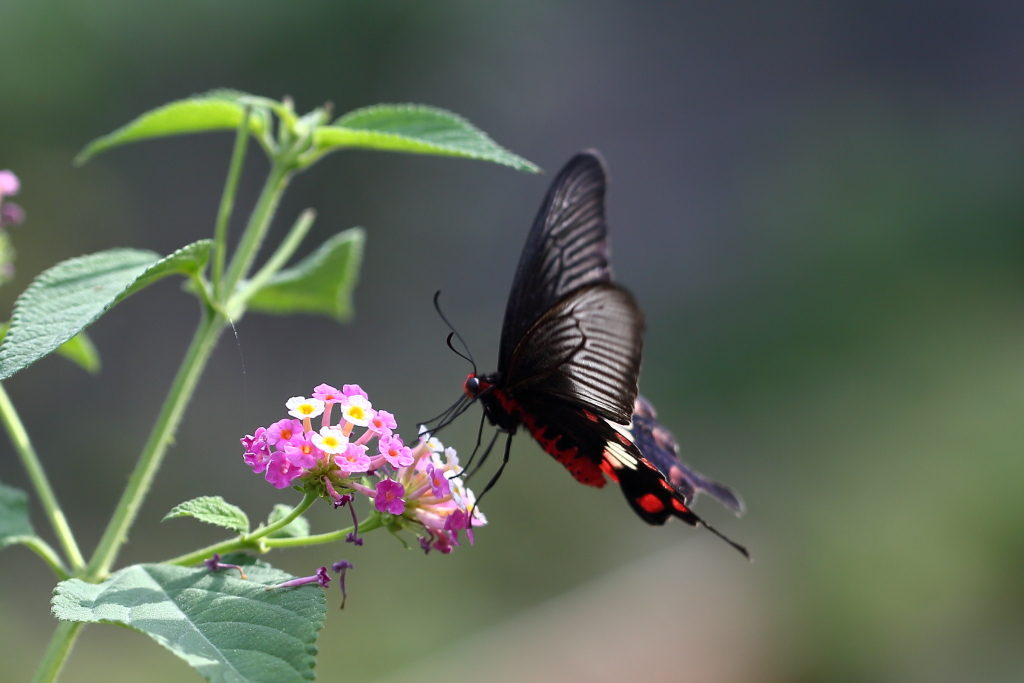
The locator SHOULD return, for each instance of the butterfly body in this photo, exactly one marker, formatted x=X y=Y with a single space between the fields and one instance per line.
x=569 y=360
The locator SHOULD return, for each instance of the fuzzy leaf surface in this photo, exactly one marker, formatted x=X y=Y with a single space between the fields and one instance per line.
x=229 y=629
x=217 y=110
x=14 y=522
x=212 y=510
x=70 y=296
x=320 y=284
x=417 y=129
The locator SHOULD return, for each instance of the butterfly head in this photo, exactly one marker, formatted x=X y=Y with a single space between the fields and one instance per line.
x=475 y=385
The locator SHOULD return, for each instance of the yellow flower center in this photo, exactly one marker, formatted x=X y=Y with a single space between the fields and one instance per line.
x=356 y=412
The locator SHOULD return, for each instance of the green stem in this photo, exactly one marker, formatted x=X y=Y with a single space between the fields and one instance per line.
x=308 y=500
x=152 y=454
x=203 y=343
x=257 y=228
x=227 y=201
x=247 y=540
x=231 y=545
x=369 y=524
x=57 y=651
x=22 y=444
x=49 y=555
x=277 y=261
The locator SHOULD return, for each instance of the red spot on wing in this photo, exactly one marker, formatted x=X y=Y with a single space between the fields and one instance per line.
x=650 y=503
x=679 y=506
x=590 y=416
x=609 y=469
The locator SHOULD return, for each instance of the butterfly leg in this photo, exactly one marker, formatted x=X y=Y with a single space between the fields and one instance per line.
x=483 y=457
x=501 y=468
x=479 y=439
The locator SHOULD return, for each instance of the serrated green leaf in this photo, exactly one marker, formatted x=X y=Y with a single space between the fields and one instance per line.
x=82 y=352
x=230 y=630
x=212 y=510
x=217 y=110
x=417 y=129
x=297 y=528
x=70 y=296
x=15 y=526
x=320 y=284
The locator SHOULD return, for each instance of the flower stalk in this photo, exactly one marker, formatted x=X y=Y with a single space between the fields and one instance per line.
x=23 y=445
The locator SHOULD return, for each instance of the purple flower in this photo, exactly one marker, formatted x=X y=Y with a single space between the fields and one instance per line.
x=214 y=564
x=302 y=453
x=438 y=482
x=281 y=471
x=321 y=577
x=381 y=422
x=353 y=390
x=339 y=567
x=354 y=459
x=328 y=394
x=352 y=536
x=459 y=520
x=9 y=185
x=11 y=214
x=395 y=452
x=389 y=497
x=284 y=430
x=257 y=451
x=443 y=544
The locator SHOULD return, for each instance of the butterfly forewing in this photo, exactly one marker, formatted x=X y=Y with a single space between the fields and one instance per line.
x=567 y=248
x=585 y=350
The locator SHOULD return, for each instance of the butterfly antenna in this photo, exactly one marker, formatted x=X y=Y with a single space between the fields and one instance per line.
x=469 y=354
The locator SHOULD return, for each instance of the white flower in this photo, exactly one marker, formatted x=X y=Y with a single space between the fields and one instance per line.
x=357 y=410
x=330 y=440
x=301 y=407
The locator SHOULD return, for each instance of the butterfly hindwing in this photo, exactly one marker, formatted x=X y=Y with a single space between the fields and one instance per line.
x=659 y=447
x=591 y=447
x=567 y=248
x=585 y=351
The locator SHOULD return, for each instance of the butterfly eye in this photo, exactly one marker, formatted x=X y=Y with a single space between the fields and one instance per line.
x=472 y=386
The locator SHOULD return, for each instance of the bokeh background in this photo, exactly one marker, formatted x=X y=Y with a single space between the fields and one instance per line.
x=819 y=205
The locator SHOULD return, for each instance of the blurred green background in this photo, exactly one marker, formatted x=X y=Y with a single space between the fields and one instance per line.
x=819 y=206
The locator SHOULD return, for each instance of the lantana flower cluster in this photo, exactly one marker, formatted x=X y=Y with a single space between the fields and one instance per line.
x=10 y=214
x=356 y=451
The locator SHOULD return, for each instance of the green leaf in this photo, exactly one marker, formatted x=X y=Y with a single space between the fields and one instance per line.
x=15 y=526
x=82 y=352
x=417 y=129
x=320 y=284
x=230 y=630
x=79 y=350
x=70 y=296
x=212 y=510
x=297 y=528
x=217 y=110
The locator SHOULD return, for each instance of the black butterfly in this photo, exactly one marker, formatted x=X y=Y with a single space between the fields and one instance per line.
x=570 y=357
